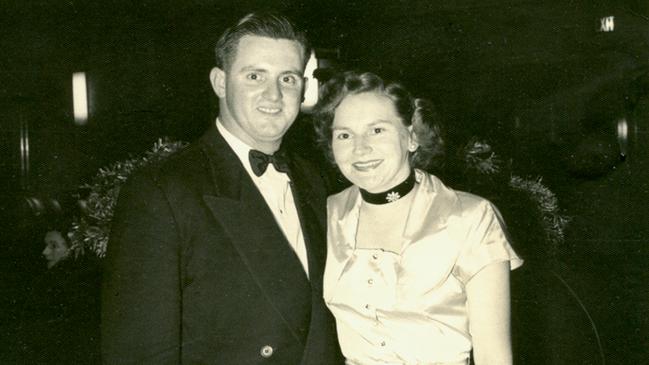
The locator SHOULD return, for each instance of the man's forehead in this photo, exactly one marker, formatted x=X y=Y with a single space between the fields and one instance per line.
x=261 y=39
x=253 y=48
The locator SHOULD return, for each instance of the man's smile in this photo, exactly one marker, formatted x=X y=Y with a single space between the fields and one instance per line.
x=269 y=110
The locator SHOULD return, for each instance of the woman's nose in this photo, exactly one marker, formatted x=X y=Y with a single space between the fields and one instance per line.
x=361 y=145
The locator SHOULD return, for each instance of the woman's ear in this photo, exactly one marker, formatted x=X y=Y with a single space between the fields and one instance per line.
x=217 y=79
x=412 y=140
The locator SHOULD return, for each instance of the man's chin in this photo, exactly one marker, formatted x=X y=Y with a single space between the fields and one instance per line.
x=274 y=132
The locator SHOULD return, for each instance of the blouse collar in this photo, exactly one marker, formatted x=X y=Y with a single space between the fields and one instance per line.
x=432 y=204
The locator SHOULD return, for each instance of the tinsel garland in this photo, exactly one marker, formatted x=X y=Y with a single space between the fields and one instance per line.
x=554 y=222
x=90 y=232
x=480 y=162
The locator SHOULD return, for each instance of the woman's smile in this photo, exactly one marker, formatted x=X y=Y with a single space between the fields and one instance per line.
x=367 y=165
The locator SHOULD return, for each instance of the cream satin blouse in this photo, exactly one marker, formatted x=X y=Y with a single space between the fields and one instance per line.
x=410 y=308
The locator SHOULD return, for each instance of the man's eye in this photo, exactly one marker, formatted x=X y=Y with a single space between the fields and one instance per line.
x=291 y=80
x=253 y=76
x=377 y=130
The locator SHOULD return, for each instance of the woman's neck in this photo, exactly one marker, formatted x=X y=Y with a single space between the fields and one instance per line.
x=381 y=226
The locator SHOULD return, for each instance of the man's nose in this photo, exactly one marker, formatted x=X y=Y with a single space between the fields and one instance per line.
x=273 y=91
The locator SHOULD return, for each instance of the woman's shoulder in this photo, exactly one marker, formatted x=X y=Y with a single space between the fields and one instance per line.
x=343 y=200
x=459 y=201
x=469 y=202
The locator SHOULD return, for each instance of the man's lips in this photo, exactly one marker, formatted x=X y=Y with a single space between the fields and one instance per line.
x=269 y=110
x=366 y=165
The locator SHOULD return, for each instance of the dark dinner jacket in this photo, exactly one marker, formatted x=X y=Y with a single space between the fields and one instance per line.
x=198 y=272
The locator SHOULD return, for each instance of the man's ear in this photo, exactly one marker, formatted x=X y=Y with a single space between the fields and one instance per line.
x=305 y=84
x=217 y=79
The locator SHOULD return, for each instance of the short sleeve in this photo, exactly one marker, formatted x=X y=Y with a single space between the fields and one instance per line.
x=484 y=241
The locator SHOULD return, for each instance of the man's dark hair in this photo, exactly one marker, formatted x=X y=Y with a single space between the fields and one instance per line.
x=261 y=24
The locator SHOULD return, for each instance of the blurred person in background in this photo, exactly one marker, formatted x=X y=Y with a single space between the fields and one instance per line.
x=59 y=323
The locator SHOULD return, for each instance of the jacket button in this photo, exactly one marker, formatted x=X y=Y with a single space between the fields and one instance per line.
x=266 y=351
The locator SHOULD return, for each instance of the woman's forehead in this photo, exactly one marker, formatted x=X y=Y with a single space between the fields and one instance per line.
x=365 y=109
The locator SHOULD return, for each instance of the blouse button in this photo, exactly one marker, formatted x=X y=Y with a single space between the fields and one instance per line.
x=375 y=256
x=370 y=281
x=382 y=343
x=266 y=351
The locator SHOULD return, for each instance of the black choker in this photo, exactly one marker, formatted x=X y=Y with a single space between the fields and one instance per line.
x=390 y=195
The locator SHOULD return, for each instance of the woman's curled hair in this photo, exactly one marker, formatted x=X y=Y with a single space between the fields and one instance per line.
x=420 y=113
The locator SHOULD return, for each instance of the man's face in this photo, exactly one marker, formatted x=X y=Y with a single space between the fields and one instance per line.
x=261 y=90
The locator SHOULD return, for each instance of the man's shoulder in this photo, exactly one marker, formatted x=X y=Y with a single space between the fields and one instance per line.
x=184 y=165
x=318 y=174
x=305 y=166
x=308 y=169
x=182 y=162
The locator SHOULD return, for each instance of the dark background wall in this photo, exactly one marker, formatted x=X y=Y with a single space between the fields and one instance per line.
x=538 y=80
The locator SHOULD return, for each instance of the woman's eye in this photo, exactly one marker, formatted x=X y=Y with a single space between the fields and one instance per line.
x=342 y=136
x=377 y=130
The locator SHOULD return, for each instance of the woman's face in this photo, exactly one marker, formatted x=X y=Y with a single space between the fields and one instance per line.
x=56 y=249
x=370 y=143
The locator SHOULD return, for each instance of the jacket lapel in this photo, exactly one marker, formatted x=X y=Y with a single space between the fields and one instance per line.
x=242 y=212
x=310 y=200
x=309 y=196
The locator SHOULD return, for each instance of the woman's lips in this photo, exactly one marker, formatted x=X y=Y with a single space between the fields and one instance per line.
x=366 y=165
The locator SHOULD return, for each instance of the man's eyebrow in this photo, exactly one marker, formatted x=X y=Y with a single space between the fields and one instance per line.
x=251 y=68
x=293 y=71
x=260 y=69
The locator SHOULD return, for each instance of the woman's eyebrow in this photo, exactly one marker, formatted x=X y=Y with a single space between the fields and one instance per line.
x=380 y=121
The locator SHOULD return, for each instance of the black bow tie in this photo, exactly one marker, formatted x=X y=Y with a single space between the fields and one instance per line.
x=259 y=162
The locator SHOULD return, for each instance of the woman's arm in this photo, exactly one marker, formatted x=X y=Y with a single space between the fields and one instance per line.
x=489 y=314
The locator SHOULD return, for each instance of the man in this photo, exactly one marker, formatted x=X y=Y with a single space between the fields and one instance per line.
x=214 y=256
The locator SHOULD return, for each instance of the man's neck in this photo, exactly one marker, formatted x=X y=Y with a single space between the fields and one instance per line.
x=268 y=148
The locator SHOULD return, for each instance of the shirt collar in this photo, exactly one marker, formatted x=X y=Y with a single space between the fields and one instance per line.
x=242 y=150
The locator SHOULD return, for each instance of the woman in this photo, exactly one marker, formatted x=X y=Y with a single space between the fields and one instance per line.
x=416 y=273
x=60 y=320
x=56 y=248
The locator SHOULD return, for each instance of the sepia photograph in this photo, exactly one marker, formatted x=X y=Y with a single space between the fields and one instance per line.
x=351 y=182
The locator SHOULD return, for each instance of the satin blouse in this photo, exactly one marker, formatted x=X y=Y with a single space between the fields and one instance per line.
x=411 y=307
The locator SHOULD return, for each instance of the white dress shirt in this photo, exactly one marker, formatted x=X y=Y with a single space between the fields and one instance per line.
x=275 y=187
x=411 y=307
